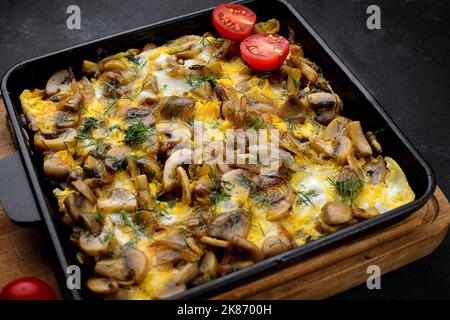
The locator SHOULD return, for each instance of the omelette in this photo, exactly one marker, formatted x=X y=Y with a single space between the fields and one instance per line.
x=149 y=216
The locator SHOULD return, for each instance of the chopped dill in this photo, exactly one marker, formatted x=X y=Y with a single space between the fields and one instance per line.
x=85 y=131
x=196 y=81
x=244 y=181
x=257 y=123
x=218 y=196
x=348 y=188
x=136 y=133
x=304 y=196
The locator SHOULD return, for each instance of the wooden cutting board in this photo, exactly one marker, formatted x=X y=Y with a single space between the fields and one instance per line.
x=23 y=252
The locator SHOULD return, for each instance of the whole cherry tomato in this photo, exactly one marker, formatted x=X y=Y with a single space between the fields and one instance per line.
x=27 y=289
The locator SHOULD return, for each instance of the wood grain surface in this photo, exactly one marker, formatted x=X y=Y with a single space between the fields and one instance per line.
x=24 y=252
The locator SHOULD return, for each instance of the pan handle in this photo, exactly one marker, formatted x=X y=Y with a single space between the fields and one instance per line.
x=16 y=196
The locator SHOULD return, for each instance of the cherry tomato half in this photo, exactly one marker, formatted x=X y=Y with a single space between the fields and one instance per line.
x=233 y=21
x=264 y=52
x=27 y=289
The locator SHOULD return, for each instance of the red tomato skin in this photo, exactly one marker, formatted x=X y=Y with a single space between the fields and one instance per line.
x=271 y=60
x=28 y=288
x=226 y=32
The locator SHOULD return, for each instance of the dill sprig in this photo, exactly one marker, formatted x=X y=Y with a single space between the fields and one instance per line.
x=136 y=133
x=135 y=60
x=196 y=81
x=257 y=123
x=348 y=188
x=85 y=131
x=304 y=196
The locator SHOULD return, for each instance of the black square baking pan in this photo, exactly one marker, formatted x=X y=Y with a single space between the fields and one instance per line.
x=35 y=203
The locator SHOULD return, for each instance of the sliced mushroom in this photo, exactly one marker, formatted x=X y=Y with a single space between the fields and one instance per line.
x=203 y=186
x=85 y=190
x=234 y=266
x=274 y=245
x=188 y=54
x=335 y=128
x=178 y=158
x=150 y=82
x=119 y=199
x=305 y=68
x=113 y=65
x=177 y=108
x=291 y=143
x=151 y=168
x=214 y=242
x=144 y=198
x=326 y=106
x=356 y=167
x=376 y=169
x=292 y=110
x=321 y=146
x=342 y=149
x=102 y=285
x=267 y=27
x=237 y=183
x=62 y=141
x=59 y=81
x=64 y=119
x=116 y=158
x=142 y=115
x=209 y=265
x=247 y=247
x=175 y=135
x=259 y=104
x=336 y=213
x=185 y=186
x=372 y=139
x=364 y=214
x=89 y=67
x=130 y=266
x=279 y=209
x=356 y=134
x=170 y=291
x=229 y=224
x=77 y=204
x=186 y=274
x=93 y=244
x=56 y=168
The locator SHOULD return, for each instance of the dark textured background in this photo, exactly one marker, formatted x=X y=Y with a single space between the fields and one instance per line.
x=405 y=65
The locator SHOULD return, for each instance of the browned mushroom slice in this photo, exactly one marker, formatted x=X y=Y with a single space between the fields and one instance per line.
x=77 y=204
x=274 y=245
x=376 y=169
x=258 y=103
x=130 y=266
x=209 y=265
x=364 y=214
x=373 y=141
x=115 y=65
x=64 y=119
x=247 y=247
x=356 y=134
x=203 y=186
x=84 y=189
x=229 y=224
x=56 y=168
x=89 y=67
x=178 y=158
x=186 y=274
x=342 y=149
x=62 y=141
x=321 y=146
x=151 y=168
x=326 y=106
x=142 y=115
x=185 y=186
x=118 y=199
x=177 y=108
x=336 y=213
x=292 y=110
x=95 y=244
x=304 y=65
x=214 y=242
x=144 y=198
x=234 y=266
x=116 y=158
x=267 y=27
x=150 y=82
x=356 y=167
x=102 y=285
x=335 y=128
x=279 y=209
x=59 y=81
